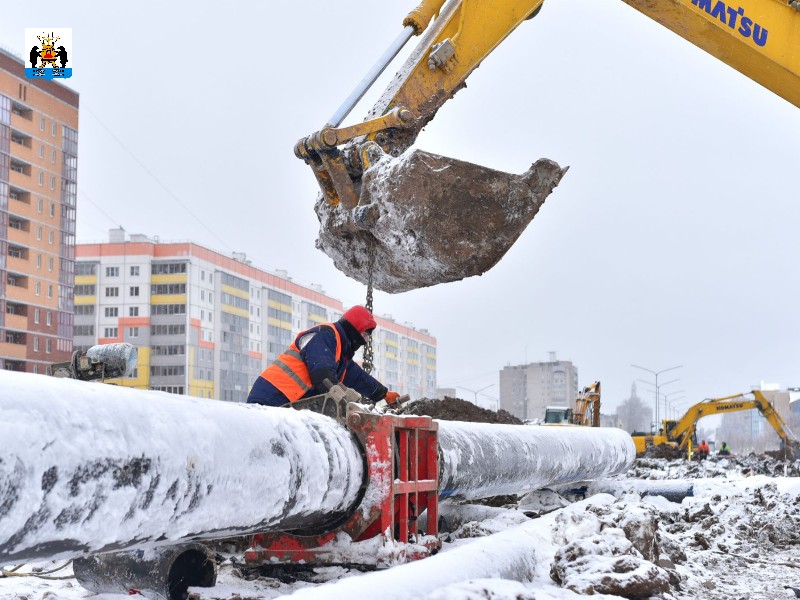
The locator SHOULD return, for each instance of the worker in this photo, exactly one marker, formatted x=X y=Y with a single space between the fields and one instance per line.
x=703 y=450
x=725 y=450
x=324 y=352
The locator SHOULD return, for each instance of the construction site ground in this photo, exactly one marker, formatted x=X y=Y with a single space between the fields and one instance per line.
x=736 y=537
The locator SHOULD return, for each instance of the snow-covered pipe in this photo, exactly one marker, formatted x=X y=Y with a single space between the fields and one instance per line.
x=90 y=467
x=481 y=460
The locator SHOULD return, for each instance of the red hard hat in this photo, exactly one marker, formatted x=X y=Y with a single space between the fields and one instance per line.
x=360 y=318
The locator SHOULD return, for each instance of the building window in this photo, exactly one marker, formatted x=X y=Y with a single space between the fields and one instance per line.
x=48 y=346
x=39 y=233
x=84 y=330
x=112 y=311
x=52 y=209
x=85 y=290
x=41 y=124
x=41 y=150
x=53 y=183
x=167 y=268
x=51 y=237
x=36 y=344
x=84 y=309
x=40 y=205
x=53 y=157
x=36 y=315
x=38 y=288
x=112 y=292
x=85 y=268
x=50 y=264
x=133 y=332
x=134 y=290
x=49 y=320
x=53 y=129
x=134 y=271
x=38 y=261
x=112 y=271
x=133 y=311
x=50 y=291
x=111 y=332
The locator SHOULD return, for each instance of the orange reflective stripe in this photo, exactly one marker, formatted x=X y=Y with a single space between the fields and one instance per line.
x=289 y=372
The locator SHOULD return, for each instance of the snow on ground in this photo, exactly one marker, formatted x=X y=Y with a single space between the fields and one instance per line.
x=737 y=537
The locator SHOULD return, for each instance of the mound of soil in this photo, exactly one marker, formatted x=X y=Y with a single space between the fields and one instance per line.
x=455 y=409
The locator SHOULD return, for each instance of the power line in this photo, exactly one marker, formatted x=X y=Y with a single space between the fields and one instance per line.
x=156 y=179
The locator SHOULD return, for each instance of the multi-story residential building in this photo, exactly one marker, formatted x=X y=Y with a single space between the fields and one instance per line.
x=206 y=324
x=38 y=185
x=527 y=390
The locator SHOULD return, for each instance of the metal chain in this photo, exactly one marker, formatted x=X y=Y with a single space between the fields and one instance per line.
x=368 y=353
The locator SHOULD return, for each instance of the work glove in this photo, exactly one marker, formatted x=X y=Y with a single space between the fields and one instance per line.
x=392 y=399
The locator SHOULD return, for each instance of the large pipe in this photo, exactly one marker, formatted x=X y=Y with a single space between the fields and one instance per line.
x=88 y=468
x=481 y=460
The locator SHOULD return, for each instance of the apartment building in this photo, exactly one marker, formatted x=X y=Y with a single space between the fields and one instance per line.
x=206 y=324
x=38 y=186
x=527 y=390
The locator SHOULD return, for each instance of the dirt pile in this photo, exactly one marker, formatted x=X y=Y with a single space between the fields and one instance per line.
x=455 y=409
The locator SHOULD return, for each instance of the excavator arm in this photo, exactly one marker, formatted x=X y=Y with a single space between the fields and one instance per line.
x=401 y=219
x=758 y=38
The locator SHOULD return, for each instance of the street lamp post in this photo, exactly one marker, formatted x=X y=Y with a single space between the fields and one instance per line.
x=656 y=374
x=476 y=392
x=668 y=403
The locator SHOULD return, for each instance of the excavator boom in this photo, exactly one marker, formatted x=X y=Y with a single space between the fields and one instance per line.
x=398 y=218
x=681 y=433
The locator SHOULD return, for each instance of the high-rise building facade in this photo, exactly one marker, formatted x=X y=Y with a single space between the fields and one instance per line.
x=527 y=390
x=38 y=186
x=206 y=324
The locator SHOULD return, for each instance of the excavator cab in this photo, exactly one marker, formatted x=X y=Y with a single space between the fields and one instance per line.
x=398 y=218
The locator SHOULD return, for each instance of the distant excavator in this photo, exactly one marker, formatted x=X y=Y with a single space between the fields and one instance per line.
x=400 y=219
x=586 y=412
x=681 y=435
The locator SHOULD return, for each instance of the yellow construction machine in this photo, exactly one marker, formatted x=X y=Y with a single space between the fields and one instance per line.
x=681 y=434
x=585 y=413
x=400 y=219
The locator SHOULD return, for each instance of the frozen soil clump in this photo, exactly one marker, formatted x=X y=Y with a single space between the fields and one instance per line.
x=455 y=409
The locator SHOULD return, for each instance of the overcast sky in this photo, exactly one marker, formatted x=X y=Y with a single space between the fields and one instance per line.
x=673 y=240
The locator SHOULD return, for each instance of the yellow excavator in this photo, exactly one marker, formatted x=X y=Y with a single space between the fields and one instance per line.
x=400 y=219
x=681 y=434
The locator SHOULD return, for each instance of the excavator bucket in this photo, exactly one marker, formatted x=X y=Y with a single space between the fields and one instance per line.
x=424 y=219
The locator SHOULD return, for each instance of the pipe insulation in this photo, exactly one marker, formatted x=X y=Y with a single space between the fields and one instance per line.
x=90 y=467
x=481 y=459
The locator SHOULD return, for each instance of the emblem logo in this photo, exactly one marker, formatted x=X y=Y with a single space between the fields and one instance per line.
x=49 y=53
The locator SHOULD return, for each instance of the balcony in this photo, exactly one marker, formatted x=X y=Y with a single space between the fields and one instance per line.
x=21 y=139
x=21 y=111
x=14 y=365
x=19 y=195
x=14 y=280
x=20 y=167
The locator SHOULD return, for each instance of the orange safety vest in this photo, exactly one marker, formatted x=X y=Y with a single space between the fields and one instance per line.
x=290 y=374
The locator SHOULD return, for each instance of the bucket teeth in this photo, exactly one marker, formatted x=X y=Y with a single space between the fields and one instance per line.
x=431 y=219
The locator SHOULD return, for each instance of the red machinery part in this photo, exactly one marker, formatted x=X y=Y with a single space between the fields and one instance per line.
x=402 y=470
